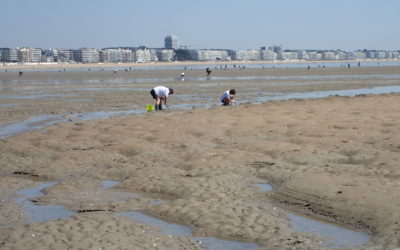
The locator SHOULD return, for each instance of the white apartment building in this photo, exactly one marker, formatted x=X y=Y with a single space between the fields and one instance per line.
x=389 y=54
x=380 y=54
x=359 y=55
x=110 y=55
x=63 y=55
x=302 y=54
x=153 y=55
x=280 y=55
x=165 y=55
x=35 y=55
x=14 y=55
x=347 y=56
x=267 y=55
x=48 y=55
x=116 y=55
x=341 y=55
x=90 y=55
x=290 y=55
x=86 y=55
x=314 y=56
x=29 y=55
x=329 y=55
x=245 y=55
x=209 y=55
x=142 y=55
x=23 y=55
x=371 y=54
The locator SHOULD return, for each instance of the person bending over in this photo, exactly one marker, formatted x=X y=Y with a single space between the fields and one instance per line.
x=228 y=97
x=160 y=93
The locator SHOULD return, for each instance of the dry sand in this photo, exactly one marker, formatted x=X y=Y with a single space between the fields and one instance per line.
x=335 y=158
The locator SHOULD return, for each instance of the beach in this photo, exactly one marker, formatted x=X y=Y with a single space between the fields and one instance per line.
x=328 y=157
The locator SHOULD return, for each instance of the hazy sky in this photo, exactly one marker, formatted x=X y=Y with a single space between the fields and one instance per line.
x=230 y=24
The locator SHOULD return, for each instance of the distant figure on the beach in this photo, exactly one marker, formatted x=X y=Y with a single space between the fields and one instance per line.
x=359 y=64
x=20 y=73
x=228 y=97
x=160 y=93
x=208 y=70
x=348 y=65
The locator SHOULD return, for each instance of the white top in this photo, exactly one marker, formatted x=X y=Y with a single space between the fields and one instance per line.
x=161 y=91
x=225 y=95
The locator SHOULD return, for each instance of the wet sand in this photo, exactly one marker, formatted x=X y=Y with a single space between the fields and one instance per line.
x=63 y=93
x=334 y=158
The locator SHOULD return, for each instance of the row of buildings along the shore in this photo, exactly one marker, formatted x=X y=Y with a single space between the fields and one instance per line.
x=172 y=51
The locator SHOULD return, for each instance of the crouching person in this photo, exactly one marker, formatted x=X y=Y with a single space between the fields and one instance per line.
x=228 y=97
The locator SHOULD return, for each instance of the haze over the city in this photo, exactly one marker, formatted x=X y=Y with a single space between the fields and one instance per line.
x=232 y=24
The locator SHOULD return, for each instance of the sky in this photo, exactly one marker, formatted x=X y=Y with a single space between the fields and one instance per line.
x=207 y=24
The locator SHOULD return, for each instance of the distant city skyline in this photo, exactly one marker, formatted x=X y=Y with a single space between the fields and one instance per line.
x=207 y=24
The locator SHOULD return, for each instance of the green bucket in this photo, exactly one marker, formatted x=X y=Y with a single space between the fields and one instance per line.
x=149 y=107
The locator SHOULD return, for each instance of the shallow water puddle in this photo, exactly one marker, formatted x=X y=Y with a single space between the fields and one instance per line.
x=33 y=123
x=39 y=122
x=40 y=213
x=179 y=230
x=105 y=114
x=109 y=184
x=9 y=105
x=263 y=186
x=265 y=97
x=337 y=237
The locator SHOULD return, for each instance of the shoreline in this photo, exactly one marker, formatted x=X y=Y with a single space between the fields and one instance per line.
x=6 y=66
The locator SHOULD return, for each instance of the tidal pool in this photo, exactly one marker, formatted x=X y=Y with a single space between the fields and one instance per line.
x=30 y=124
x=40 y=213
x=336 y=236
x=179 y=230
x=263 y=186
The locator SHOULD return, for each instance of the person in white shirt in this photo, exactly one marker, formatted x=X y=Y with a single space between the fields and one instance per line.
x=228 y=97
x=160 y=93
